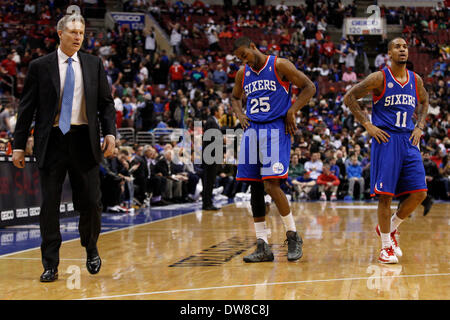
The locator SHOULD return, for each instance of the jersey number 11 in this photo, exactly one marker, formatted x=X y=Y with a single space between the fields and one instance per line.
x=399 y=116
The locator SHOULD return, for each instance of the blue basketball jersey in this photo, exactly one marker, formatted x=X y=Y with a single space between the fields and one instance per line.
x=268 y=98
x=394 y=108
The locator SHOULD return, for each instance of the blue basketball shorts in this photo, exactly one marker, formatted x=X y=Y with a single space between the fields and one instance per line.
x=396 y=167
x=264 y=152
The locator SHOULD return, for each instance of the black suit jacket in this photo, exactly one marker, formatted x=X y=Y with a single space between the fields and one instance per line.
x=210 y=124
x=41 y=95
x=162 y=167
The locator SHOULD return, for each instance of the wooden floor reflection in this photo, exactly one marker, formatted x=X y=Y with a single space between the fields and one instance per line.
x=199 y=256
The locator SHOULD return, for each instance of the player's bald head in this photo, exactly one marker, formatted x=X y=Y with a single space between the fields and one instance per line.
x=395 y=41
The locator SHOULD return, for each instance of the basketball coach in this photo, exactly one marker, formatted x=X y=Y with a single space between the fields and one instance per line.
x=67 y=94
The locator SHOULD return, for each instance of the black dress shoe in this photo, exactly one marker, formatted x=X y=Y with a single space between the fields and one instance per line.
x=93 y=264
x=210 y=208
x=49 y=275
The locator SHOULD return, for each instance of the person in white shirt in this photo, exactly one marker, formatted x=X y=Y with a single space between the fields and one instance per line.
x=314 y=166
x=175 y=39
x=118 y=104
x=150 y=43
x=143 y=72
x=382 y=59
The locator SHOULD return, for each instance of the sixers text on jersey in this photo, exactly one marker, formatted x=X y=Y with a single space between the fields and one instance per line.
x=394 y=108
x=268 y=98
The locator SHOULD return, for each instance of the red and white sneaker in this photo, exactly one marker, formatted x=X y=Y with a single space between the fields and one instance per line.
x=395 y=237
x=387 y=255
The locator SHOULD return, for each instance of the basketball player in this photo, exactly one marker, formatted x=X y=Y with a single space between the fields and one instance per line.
x=396 y=167
x=268 y=122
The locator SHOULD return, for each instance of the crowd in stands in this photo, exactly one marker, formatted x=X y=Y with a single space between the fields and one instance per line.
x=153 y=88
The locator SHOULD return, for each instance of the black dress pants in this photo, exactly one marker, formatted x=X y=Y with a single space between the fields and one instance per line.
x=209 y=180
x=70 y=153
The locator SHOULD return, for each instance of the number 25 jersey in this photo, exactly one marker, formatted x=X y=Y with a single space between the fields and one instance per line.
x=268 y=98
x=394 y=108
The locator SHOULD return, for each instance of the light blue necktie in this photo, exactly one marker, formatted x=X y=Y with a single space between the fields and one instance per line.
x=67 y=100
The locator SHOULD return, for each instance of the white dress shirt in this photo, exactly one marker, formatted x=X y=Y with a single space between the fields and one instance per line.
x=79 y=102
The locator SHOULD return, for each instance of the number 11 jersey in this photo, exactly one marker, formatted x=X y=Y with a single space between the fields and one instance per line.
x=394 y=108
x=268 y=98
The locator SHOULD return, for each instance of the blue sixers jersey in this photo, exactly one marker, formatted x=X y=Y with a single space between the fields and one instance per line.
x=394 y=108
x=268 y=98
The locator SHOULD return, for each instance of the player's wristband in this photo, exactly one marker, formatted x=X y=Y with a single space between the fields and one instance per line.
x=419 y=128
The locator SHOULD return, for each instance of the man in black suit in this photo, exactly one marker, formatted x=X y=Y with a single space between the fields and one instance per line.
x=165 y=168
x=209 y=172
x=68 y=93
x=140 y=175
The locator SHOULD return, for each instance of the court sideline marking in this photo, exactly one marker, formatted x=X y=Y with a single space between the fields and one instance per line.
x=262 y=284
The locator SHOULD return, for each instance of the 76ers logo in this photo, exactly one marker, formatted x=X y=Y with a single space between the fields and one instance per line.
x=278 y=168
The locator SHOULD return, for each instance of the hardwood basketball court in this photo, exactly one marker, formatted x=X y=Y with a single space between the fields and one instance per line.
x=198 y=256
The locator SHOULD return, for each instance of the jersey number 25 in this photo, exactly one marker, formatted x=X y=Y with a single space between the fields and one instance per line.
x=261 y=104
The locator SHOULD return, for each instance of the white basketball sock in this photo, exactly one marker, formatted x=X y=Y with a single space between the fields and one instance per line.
x=261 y=231
x=385 y=240
x=395 y=222
x=289 y=223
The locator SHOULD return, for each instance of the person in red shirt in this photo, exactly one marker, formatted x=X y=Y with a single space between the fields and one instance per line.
x=328 y=50
x=176 y=72
x=9 y=67
x=327 y=182
x=199 y=7
x=226 y=34
x=285 y=40
x=275 y=48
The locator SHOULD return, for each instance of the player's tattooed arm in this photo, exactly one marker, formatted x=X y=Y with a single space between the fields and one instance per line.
x=288 y=72
x=372 y=84
x=422 y=111
x=360 y=90
x=236 y=99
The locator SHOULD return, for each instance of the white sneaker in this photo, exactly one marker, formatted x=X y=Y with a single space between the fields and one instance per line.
x=220 y=197
x=387 y=255
x=323 y=197
x=120 y=208
x=395 y=237
x=333 y=197
x=217 y=191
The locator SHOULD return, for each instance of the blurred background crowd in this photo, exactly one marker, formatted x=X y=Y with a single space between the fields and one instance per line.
x=156 y=90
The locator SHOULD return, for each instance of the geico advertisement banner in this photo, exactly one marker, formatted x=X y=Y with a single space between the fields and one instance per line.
x=135 y=21
x=364 y=26
x=20 y=193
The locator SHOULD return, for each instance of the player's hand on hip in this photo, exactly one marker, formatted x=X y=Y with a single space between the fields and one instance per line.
x=109 y=143
x=415 y=136
x=291 y=126
x=18 y=158
x=243 y=119
x=377 y=133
